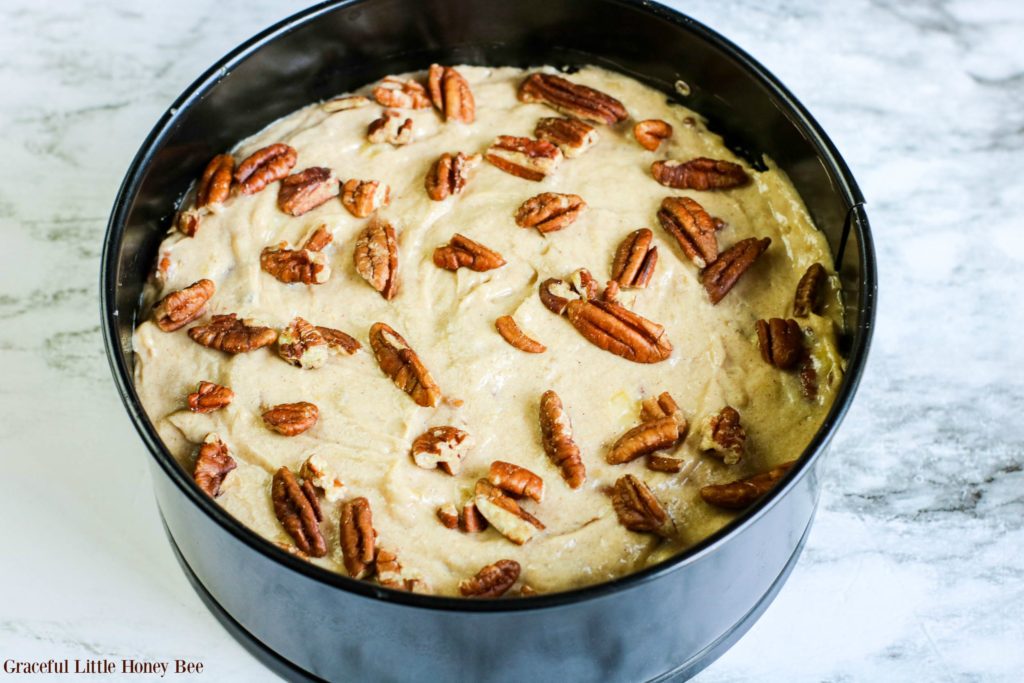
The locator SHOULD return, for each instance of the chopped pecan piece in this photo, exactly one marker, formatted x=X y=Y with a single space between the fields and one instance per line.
x=662 y=406
x=637 y=508
x=723 y=435
x=462 y=252
x=664 y=463
x=391 y=575
x=363 y=197
x=527 y=591
x=645 y=438
x=720 y=277
x=572 y=136
x=390 y=128
x=394 y=92
x=188 y=221
x=516 y=481
x=635 y=259
x=302 y=345
x=291 y=419
x=399 y=362
x=492 y=581
x=572 y=99
x=321 y=475
x=450 y=93
x=376 y=257
x=209 y=397
x=739 y=494
x=304 y=191
x=810 y=291
x=472 y=521
x=298 y=510
x=556 y=434
x=510 y=332
x=213 y=464
x=443 y=447
x=344 y=103
x=215 y=185
x=339 y=341
x=449 y=174
x=357 y=536
x=699 y=174
x=781 y=342
x=179 y=308
x=229 y=334
x=295 y=265
x=448 y=514
x=808 y=379
x=504 y=513
x=319 y=238
x=264 y=166
x=693 y=228
x=650 y=133
x=550 y=211
x=523 y=157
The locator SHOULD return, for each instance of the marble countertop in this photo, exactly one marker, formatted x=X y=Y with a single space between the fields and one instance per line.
x=914 y=569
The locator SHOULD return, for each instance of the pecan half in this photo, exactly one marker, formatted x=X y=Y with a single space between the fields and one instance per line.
x=399 y=362
x=572 y=136
x=319 y=238
x=504 y=513
x=304 y=191
x=462 y=252
x=291 y=419
x=781 y=342
x=215 y=185
x=357 y=536
x=637 y=508
x=209 y=397
x=376 y=257
x=443 y=447
x=723 y=435
x=394 y=92
x=492 y=581
x=213 y=464
x=550 y=211
x=645 y=438
x=556 y=434
x=264 y=166
x=739 y=494
x=810 y=291
x=390 y=128
x=451 y=94
x=229 y=334
x=511 y=332
x=516 y=481
x=321 y=475
x=391 y=575
x=338 y=341
x=524 y=157
x=657 y=462
x=618 y=330
x=693 y=228
x=295 y=265
x=449 y=174
x=344 y=103
x=650 y=133
x=179 y=308
x=699 y=174
x=363 y=197
x=635 y=259
x=572 y=99
x=720 y=277
x=298 y=510
x=302 y=345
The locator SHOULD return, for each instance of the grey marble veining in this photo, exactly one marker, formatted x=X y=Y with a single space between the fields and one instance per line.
x=914 y=569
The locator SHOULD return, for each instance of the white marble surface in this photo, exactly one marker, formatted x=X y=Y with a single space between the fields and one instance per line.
x=915 y=567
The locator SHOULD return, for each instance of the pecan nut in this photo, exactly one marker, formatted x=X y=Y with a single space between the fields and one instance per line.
x=723 y=435
x=524 y=157
x=295 y=265
x=401 y=94
x=451 y=94
x=650 y=133
x=504 y=513
x=699 y=174
x=472 y=521
x=462 y=252
x=739 y=494
x=440 y=447
x=511 y=332
x=645 y=438
x=213 y=464
x=662 y=406
x=657 y=462
x=376 y=257
x=635 y=259
x=618 y=330
x=338 y=341
x=810 y=292
x=302 y=192
x=298 y=510
x=229 y=334
x=215 y=185
x=550 y=211
x=302 y=345
x=448 y=515
x=209 y=397
x=399 y=362
x=637 y=508
x=449 y=175
x=179 y=308
x=391 y=575
x=516 y=481
x=264 y=166
x=572 y=136
x=358 y=537
x=390 y=128
x=692 y=227
x=781 y=342
x=291 y=419
x=570 y=98
x=188 y=221
x=363 y=197
x=492 y=581
x=556 y=434
x=322 y=476
x=319 y=238
x=720 y=277
x=345 y=103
